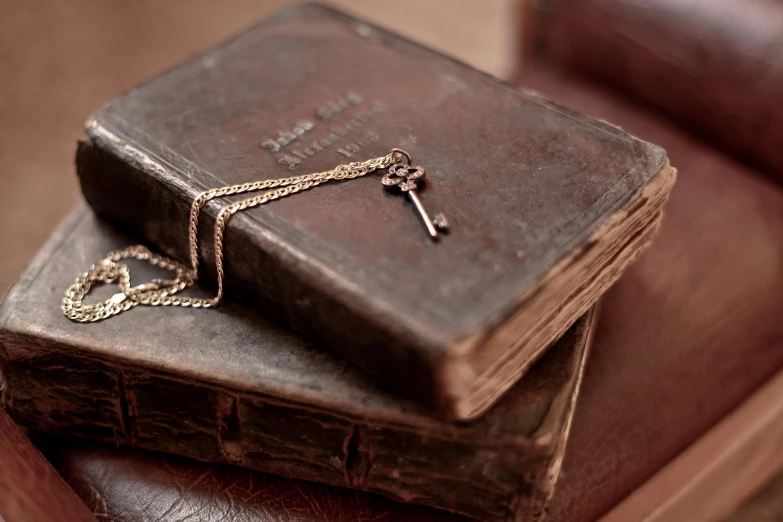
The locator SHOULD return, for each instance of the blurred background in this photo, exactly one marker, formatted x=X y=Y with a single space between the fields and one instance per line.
x=686 y=376
x=60 y=61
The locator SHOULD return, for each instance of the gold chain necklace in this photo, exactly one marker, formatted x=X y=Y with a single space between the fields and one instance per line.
x=162 y=292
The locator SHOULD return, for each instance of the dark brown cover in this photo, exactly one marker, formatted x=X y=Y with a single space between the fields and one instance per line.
x=547 y=206
x=714 y=67
x=235 y=388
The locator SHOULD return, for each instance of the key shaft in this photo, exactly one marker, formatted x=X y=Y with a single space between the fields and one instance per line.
x=423 y=213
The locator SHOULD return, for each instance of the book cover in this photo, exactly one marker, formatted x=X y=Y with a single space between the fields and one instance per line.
x=546 y=206
x=239 y=389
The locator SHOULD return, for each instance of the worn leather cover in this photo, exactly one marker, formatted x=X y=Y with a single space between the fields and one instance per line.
x=547 y=206
x=237 y=389
x=714 y=67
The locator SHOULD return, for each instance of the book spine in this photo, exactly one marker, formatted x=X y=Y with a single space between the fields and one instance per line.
x=49 y=389
x=146 y=201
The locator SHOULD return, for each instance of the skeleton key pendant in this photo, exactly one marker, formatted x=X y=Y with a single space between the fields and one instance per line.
x=405 y=178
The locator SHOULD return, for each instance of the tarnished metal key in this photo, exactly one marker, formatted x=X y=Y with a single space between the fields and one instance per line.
x=405 y=178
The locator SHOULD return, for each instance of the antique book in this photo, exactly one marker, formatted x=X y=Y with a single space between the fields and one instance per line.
x=237 y=388
x=546 y=206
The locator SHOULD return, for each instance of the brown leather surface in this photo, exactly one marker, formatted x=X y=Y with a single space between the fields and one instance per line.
x=689 y=331
x=122 y=485
x=30 y=489
x=714 y=66
x=764 y=506
x=337 y=263
x=226 y=385
x=700 y=331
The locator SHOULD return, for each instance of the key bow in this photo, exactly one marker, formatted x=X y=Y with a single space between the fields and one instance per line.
x=404 y=177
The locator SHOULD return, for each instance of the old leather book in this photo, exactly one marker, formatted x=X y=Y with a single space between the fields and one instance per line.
x=231 y=387
x=547 y=207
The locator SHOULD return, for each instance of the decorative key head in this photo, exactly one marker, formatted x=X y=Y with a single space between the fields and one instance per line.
x=403 y=177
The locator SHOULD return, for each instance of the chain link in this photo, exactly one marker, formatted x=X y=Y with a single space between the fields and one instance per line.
x=162 y=292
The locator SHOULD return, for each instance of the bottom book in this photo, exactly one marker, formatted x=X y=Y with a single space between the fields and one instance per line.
x=226 y=385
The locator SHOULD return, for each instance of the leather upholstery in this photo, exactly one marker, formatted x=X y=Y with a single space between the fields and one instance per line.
x=701 y=309
x=689 y=331
x=715 y=67
x=122 y=485
x=30 y=489
x=764 y=506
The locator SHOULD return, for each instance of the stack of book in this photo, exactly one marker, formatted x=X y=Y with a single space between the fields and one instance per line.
x=350 y=349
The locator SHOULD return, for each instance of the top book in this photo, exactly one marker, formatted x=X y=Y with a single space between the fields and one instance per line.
x=546 y=206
